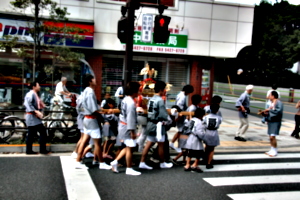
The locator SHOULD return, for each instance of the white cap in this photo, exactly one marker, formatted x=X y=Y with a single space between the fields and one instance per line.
x=249 y=87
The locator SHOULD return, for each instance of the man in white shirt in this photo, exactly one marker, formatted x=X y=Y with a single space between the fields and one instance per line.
x=61 y=89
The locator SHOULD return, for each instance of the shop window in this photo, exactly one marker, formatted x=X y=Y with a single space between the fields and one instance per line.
x=10 y=81
x=112 y=75
x=178 y=77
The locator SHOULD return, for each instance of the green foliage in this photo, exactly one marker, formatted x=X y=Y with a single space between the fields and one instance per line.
x=37 y=29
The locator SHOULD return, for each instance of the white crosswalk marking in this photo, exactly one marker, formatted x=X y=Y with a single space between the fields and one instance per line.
x=78 y=181
x=266 y=196
x=254 y=180
x=250 y=180
x=254 y=156
x=260 y=166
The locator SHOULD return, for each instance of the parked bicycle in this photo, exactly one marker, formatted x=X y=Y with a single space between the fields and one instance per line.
x=10 y=125
x=60 y=121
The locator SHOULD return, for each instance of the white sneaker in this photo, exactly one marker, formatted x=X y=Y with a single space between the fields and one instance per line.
x=273 y=154
x=178 y=150
x=89 y=155
x=79 y=165
x=74 y=155
x=171 y=145
x=95 y=162
x=130 y=171
x=143 y=165
x=104 y=166
x=165 y=165
x=268 y=152
x=114 y=166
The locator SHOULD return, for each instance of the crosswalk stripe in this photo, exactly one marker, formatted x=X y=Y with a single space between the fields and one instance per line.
x=250 y=180
x=254 y=156
x=266 y=196
x=259 y=166
x=78 y=182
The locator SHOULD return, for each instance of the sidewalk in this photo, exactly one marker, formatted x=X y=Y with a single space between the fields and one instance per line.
x=257 y=137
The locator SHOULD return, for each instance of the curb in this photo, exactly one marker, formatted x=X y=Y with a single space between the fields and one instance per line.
x=21 y=148
x=64 y=148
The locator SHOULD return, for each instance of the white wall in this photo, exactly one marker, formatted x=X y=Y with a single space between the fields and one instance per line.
x=215 y=29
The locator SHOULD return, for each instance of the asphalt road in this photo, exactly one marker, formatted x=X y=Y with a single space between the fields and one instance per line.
x=42 y=178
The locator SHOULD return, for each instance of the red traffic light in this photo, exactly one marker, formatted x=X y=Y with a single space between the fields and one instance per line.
x=162 y=22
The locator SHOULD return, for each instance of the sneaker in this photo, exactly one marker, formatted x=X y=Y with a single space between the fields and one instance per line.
x=171 y=145
x=79 y=165
x=174 y=162
x=196 y=169
x=143 y=165
x=45 y=152
x=95 y=162
x=268 y=152
x=114 y=166
x=243 y=139
x=154 y=160
x=187 y=169
x=130 y=171
x=178 y=150
x=32 y=153
x=103 y=165
x=74 y=155
x=165 y=165
x=209 y=166
x=237 y=138
x=89 y=155
x=272 y=153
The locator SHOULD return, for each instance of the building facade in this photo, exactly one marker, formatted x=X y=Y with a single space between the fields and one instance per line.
x=201 y=31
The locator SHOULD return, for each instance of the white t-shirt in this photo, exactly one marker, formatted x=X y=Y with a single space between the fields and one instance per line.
x=60 y=88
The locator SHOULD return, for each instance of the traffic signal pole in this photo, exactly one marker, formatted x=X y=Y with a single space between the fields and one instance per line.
x=131 y=4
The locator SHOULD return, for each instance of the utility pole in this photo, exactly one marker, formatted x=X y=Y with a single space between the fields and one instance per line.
x=131 y=5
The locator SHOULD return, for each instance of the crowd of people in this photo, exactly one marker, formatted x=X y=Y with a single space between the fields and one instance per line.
x=103 y=127
x=120 y=129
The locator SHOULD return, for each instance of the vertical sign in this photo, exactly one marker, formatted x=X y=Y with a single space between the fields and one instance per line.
x=147 y=28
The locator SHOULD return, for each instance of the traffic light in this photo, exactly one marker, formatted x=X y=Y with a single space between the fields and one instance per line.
x=161 y=29
x=122 y=29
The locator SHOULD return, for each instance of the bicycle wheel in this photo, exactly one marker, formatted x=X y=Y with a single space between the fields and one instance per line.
x=20 y=127
x=6 y=129
x=56 y=128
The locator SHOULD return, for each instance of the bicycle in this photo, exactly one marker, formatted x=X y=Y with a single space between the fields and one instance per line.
x=10 y=125
x=60 y=120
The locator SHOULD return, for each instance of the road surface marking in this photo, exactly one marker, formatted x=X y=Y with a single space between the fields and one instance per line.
x=252 y=180
x=266 y=196
x=254 y=156
x=78 y=182
x=260 y=166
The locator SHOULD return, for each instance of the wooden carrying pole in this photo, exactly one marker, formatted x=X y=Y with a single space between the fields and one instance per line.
x=116 y=111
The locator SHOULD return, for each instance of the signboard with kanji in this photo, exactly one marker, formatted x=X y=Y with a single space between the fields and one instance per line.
x=176 y=44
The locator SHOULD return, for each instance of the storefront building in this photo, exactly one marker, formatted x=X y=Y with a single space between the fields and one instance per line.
x=201 y=31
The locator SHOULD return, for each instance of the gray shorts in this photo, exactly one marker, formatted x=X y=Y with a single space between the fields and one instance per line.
x=154 y=139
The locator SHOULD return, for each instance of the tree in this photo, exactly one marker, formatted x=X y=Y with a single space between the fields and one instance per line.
x=55 y=15
x=276 y=40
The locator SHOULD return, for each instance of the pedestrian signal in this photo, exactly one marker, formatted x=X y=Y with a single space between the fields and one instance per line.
x=122 y=29
x=161 y=29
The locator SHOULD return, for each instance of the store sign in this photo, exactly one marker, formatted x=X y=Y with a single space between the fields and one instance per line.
x=177 y=43
x=88 y=35
x=20 y=29
x=16 y=28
